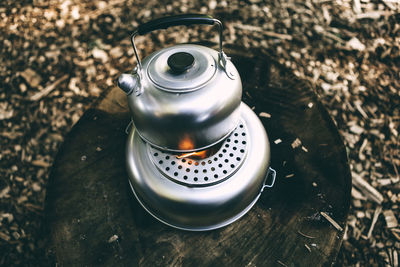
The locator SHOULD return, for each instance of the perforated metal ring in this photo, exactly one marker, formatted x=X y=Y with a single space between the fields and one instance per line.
x=208 y=171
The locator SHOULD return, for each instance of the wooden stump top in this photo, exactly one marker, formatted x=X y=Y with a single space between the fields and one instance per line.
x=95 y=220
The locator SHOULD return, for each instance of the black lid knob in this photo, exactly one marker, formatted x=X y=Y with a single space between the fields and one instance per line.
x=180 y=62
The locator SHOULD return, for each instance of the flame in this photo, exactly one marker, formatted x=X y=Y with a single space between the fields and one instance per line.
x=186 y=143
x=199 y=154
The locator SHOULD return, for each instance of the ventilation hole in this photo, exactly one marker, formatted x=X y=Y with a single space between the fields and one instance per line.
x=183 y=160
x=226 y=145
x=228 y=140
x=236 y=134
x=241 y=125
x=224 y=150
x=161 y=162
x=220 y=155
x=243 y=134
x=234 y=148
x=226 y=160
x=215 y=175
x=175 y=173
x=173 y=162
x=167 y=157
x=215 y=159
x=185 y=177
x=224 y=171
x=167 y=169
x=244 y=142
x=238 y=159
x=236 y=141
x=231 y=155
x=212 y=169
x=180 y=167
x=190 y=162
x=220 y=165
x=206 y=178
x=155 y=154
x=195 y=179
x=232 y=166
x=209 y=161
x=187 y=170
x=242 y=150
x=204 y=170
x=196 y=171
x=203 y=163
x=196 y=163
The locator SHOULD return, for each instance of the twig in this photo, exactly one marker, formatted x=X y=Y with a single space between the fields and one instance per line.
x=308 y=248
x=48 y=89
x=281 y=263
x=378 y=211
x=373 y=14
x=394 y=165
x=369 y=191
x=308 y=236
x=332 y=221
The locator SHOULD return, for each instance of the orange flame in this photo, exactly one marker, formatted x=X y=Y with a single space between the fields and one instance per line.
x=199 y=154
x=186 y=143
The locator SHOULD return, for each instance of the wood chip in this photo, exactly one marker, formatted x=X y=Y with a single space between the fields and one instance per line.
x=289 y=175
x=4 y=192
x=296 y=143
x=377 y=211
x=373 y=14
x=369 y=192
x=278 y=141
x=31 y=77
x=355 y=194
x=113 y=239
x=390 y=219
x=4 y=236
x=304 y=148
x=48 y=89
x=332 y=221
x=264 y=115
x=308 y=248
x=41 y=163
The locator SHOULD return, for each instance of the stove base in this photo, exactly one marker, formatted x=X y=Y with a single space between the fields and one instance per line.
x=206 y=205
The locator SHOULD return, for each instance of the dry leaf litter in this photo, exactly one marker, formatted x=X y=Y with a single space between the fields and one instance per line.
x=57 y=57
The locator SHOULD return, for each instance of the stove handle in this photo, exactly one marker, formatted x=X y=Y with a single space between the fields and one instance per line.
x=271 y=172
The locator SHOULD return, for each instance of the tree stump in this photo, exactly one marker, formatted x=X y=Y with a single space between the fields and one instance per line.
x=94 y=219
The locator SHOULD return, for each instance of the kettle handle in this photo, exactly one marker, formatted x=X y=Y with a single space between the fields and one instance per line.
x=185 y=19
x=176 y=20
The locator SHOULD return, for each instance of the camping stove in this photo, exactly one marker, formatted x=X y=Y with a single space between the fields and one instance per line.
x=197 y=157
x=206 y=189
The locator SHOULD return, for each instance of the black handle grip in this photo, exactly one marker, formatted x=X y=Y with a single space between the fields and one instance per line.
x=186 y=19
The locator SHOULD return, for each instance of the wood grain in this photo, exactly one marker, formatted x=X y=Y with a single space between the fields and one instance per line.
x=89 y=200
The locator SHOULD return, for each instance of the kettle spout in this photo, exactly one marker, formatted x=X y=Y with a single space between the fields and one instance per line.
x=127 y=83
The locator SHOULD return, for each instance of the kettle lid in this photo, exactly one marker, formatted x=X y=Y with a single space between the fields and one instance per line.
x=182 y=68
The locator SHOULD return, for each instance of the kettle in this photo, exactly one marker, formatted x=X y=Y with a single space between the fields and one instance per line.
x=186 y=97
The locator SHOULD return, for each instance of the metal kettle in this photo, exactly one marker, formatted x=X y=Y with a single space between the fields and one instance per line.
x=186 y=97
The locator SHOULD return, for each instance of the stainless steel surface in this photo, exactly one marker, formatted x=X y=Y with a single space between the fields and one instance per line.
x=173 y=119
x=202 y=172
x=201 y=72
x=205 y=207
x=127 y=83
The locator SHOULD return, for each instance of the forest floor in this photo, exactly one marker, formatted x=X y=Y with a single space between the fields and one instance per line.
x=57 y=57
